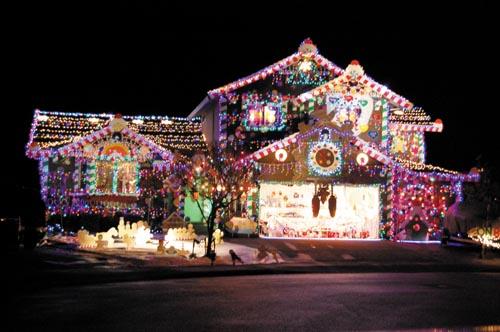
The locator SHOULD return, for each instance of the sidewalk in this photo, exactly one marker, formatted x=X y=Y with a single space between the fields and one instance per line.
x=59 y=265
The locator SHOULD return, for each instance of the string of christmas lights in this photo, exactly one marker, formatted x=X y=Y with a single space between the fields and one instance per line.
x=55 y=129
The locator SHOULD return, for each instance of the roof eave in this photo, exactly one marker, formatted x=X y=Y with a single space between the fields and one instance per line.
x=199 y=108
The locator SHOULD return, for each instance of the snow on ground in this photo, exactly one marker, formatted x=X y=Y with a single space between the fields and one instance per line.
x=179 y=256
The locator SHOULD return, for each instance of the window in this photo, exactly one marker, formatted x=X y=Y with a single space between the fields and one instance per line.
x=263 y=113
x=116 y=177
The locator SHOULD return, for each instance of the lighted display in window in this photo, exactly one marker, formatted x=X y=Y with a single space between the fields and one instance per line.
x=116 y=177
x=288 y=211
x=262 y=113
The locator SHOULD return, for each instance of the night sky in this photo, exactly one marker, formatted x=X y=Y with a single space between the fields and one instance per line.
x=148 y=58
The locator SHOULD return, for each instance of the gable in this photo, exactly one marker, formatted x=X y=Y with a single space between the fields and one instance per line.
x=307 y=52
x=295 y=158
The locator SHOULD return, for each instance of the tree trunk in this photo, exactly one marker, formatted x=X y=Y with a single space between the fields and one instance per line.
x=210 y=230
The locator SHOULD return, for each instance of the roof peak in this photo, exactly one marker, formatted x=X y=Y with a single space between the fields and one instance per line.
x=307 y=46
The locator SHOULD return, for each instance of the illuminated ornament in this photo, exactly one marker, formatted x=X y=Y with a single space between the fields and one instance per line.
x=307 y=46
x=354 y=71
x=281 y=155
x=362 y=159
x=324 y=158
x=118 y=124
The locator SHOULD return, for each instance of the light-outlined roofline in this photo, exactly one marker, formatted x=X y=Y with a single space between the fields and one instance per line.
x=363 y=79
x=35 y=152
x=306 y=50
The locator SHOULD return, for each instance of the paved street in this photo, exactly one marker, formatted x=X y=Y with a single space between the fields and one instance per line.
x=57 y=286
x=310 y=302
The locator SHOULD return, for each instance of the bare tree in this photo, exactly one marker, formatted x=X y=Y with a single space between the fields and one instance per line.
x=222 y=177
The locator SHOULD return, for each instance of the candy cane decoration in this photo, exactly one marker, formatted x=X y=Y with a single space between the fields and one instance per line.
x=390 y=197
x=433 y=128
x=91 y=177
x=310 y=107
x=421 y=152
x=249 y=204
x=385 y=121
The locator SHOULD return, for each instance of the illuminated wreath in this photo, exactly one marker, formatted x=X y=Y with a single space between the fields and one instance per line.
x=324 y=158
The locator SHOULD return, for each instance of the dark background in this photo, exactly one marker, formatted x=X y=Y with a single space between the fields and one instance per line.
x=151 y=58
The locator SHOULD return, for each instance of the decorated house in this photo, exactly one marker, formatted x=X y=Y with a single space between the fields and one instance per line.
x=340 y=155
x=101 y=164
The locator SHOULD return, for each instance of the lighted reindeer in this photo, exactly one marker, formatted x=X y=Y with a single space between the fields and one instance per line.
x=108 y=236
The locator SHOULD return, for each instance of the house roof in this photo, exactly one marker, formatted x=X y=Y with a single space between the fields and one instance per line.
x=306 y=50
x=53 y=130
x=355 y=73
